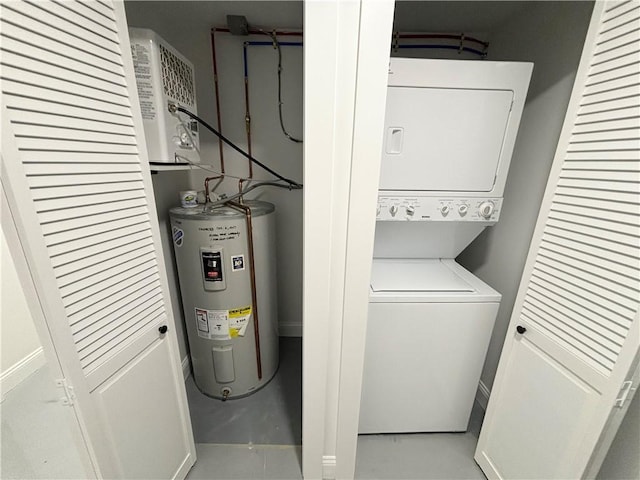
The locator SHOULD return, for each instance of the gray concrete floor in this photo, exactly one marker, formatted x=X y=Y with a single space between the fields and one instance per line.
x=35 y=438
x=259 y=437
x=271 y=416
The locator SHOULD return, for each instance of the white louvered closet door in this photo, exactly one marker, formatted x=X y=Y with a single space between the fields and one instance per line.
x=76 y=175
x=572 y=346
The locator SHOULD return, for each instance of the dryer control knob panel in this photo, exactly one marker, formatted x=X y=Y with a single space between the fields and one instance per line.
x=486 y=209
x=416 y=208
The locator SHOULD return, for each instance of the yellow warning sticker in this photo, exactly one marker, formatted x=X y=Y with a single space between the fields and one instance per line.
x=238 y=321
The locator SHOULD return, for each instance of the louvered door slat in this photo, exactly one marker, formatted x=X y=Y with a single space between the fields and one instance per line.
x=615 y=74
x=564 y=326
x=120 y=303
x=75 y=290
x=573 y=269
x=124 y=322
x=581 y=319
x=67 y=161
x=86 y=81
x=603 y=205
x=94 y=357
x=116 y=300
x=34 y=19
x=598 y=165
x=51 y=105
x=134 y=306
x=574 y=335
x=90 y=305
x=604 y=96
x=76 y=224
x=86 y=296
x=621 y=197
x=89 y=10
x=77 y=181
x=69 y=10
x=89 y=251
x=27 y=118
x=64 y=180
x=42 y=149
x=619 y=81
x=57 y=133
x=66 y=96
x=618 y=37
x=601 y=119
x=45 y=193
x=84 y=269
x=96 y=240
x=612 y=295
x=584 y=288
x=102 y=9
x=600 y=184
x=86 y=200
x=52 y=50
x=589 y=136
x=80 y=212
x=54 y=239
x=621 y=154
x=620 y=16
x=579 y=242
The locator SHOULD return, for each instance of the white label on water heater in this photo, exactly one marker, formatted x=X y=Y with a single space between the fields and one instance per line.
x=212 y=324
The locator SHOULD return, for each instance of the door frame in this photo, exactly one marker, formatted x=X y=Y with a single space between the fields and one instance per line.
x=346 y=65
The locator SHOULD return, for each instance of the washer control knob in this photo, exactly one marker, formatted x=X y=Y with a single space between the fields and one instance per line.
x=393 y=209
x=411 y=210
x=444 y=210
x=463 y=209
x=486 y=209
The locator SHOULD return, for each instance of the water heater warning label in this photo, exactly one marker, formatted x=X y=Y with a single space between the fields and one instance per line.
x=213 y=324
x=222 y=324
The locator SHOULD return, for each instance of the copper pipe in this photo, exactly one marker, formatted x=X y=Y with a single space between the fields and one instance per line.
x=207 y=199
x=217 y=95
x=254 y=297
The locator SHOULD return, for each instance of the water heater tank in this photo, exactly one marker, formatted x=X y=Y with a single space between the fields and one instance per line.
x=233 y=341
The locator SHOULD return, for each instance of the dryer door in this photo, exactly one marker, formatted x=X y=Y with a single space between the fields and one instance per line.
x=443 y=139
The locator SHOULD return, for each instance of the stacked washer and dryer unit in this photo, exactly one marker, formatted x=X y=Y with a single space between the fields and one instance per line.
x=450 y=129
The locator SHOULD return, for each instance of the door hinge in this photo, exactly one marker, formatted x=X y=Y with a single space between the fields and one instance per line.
x=69 y=395
x=624 y=393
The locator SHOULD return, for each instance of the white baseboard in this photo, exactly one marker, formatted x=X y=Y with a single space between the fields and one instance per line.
x=328 y=467
x=186 y=367
x=18 y=372
x=482 y=395
x=290 y=329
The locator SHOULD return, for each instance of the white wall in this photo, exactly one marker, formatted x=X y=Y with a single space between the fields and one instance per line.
x=20 y=352
x=186 y=25
x=539 y=33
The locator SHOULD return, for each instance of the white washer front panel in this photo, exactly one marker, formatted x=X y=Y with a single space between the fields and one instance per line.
x=422 y=365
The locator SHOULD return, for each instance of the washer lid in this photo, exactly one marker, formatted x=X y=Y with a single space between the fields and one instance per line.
x=413 y=275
